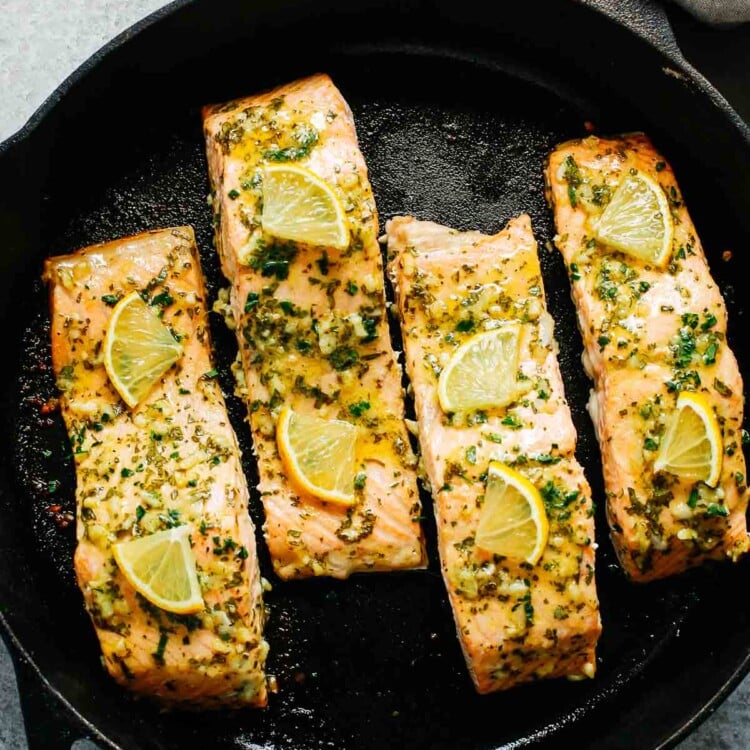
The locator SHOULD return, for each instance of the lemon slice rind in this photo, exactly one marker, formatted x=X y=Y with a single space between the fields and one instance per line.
x=318 y=455
x=483 y=372
x=692 y=444
x=161 y=567
x=638 y=221
x=513 y=521
x=301 y=207
x=138 y=349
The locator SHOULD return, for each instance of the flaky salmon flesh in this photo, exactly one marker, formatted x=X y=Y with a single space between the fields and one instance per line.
x=312 y=332
x=172 y=460
x=516 y=622
x=649 y=334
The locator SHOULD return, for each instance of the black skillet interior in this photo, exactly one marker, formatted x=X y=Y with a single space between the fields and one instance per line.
x=455 y=114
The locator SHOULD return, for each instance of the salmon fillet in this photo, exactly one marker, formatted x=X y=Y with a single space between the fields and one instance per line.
x=312 y=332
x=172 y=460
x=516 y=622
x=649 y=333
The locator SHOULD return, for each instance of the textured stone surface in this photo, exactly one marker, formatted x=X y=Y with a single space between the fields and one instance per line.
x=42 y=42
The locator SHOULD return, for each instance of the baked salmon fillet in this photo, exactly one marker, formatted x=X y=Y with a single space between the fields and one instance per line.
x=650 y=334
x=516 y=622
x=172 y=460
x=312 y=332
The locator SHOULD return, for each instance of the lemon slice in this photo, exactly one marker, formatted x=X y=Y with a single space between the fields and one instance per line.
x=483 y=372
x=138 y=349
x=692 y=444
x=318 y=454
x=161 y=567
x=513 y=522
x=299 y=206
x=637 y=220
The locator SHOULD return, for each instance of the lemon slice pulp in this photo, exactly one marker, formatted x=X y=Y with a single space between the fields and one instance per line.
x=692 y=444
x=300 y=206
x=483 y=372
x=318 y=454
x=513 y=522
x=637 y=220
x=138 y=349
x=161 y=567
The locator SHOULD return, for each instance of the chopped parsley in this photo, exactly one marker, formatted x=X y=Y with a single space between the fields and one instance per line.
x=359 y=408
x=343 y=358
x=306 y=138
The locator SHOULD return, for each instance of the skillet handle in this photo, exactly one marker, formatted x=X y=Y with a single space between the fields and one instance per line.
x=49 y=724
x=647 y=18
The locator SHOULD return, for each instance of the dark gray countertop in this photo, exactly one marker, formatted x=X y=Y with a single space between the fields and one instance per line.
x=41 y=42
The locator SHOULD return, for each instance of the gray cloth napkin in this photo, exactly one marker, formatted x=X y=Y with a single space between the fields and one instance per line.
x=718 y=12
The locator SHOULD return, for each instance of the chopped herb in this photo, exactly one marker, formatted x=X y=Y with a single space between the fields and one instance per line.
x=600 y=194
x=709 y=356
x=351 y=288
x=358 y=409
x=465 y=325
x=572 y=175
x=125 y=473
x=471 y=454
x=159 y=653
x=684 y=348
x=554 y=498
x=343 y=357
x=184 y=392
x=164 y=299
x=272 y=258
x=709 y=322
x=659 y=166
x=546 y=458
x=512 y=421
x=287 y=307
x=683 y=381
x=359 y=480
x=494 y=437
x=110 y=299
x=140 y=511
x=745 y=437
x=233 y=194
x=690 y=320
x=722 y=388
x=650 y=444
x=210 y=375
x=252 y=301
x=53 y=486
x=371 y=329
x=603 y=341
x=322 y=263
x=306 y=138
x=693 y=498
x=543 y=395
x=46 y=453
x=714 y=509
x=242 y=553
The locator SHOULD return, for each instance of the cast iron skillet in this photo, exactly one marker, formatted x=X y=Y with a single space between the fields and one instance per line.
x=456 y=107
